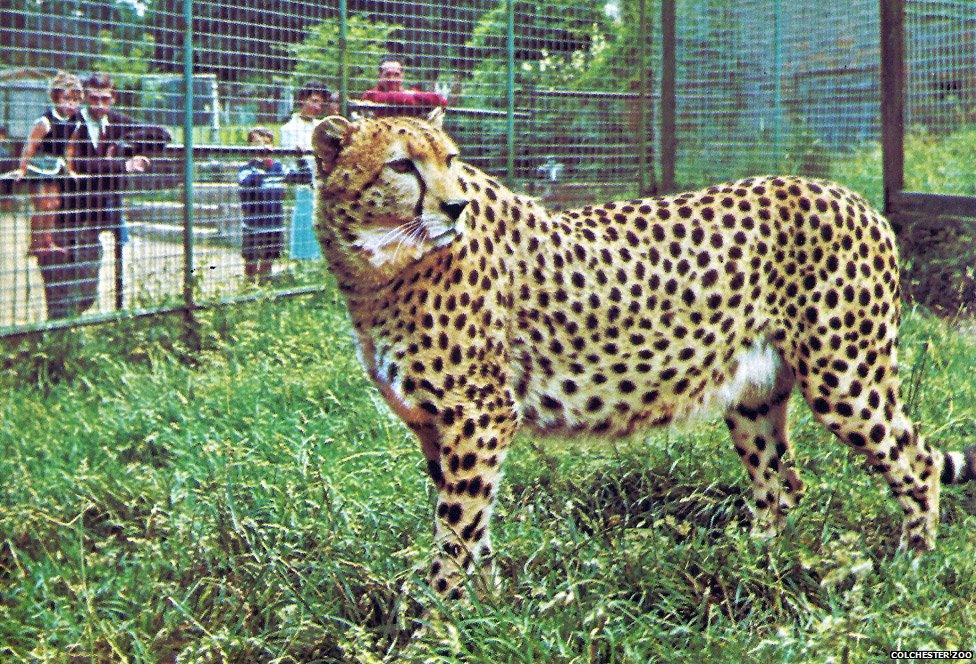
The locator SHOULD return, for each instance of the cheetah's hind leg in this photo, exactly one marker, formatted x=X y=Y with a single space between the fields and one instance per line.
x=857 y=398
x=757 y=420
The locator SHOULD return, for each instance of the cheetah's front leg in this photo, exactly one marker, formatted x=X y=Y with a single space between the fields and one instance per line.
x=465 y=448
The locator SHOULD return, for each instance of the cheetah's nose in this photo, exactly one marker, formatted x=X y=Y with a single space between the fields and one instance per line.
x=454 y=208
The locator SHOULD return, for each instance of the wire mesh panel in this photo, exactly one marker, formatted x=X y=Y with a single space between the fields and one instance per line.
x=829 y=72
x=66 y=246
x=114 y=241
x=561 y=98
x=578 y=89
x=549 y=95
x=111 y=237
x=766 y=85
x=715 y=113
x=940 y=41
x=252 y=195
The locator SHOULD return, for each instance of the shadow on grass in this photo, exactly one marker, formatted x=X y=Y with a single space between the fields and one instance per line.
x=638 y=497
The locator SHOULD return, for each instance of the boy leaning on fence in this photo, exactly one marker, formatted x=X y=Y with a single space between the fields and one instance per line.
x=262 y=191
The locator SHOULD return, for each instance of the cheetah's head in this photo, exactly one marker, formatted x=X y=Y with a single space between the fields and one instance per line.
x=388 y=190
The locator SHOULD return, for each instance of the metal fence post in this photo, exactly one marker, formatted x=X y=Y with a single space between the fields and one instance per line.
x=777 y=83
x=643 y=102
x=188 y=257
x=669 y=142
x=343 y=58
x=892 y=100
x=510 y=90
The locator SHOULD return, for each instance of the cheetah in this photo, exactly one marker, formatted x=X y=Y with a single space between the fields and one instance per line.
x=476 y=311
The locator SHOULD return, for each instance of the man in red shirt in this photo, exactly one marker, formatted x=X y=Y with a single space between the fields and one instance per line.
x=389 y=91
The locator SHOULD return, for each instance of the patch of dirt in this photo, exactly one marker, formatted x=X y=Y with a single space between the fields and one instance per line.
x=939 y=262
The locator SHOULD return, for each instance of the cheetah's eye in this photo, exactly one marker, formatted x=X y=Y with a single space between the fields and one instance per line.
x=401 y=165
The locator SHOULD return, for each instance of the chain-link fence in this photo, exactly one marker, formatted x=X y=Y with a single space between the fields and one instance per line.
x=766 y=85
x=567 y=100
x=940 y=108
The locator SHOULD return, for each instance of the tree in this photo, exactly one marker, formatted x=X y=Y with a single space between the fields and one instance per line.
x=549 y=33
x=62 y=34
x=125 y=59
x=236 y=41
x=318 y=55
x=560 y=46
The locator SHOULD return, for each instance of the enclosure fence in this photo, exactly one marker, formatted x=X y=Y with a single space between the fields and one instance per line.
x=568 y=100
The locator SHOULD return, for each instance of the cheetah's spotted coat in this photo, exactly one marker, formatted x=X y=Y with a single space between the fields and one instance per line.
x=477 y=311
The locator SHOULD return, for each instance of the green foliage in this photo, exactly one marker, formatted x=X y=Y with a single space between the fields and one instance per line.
x=318 y=55
x=122 y=58
x=861 y=171
x=595 y=52
x=43 y=23
x=586 y=48
x=937 y=164
x=805 y=153
x=705 y=157
x=594 y=48
x=249 y=502
x=940 y=164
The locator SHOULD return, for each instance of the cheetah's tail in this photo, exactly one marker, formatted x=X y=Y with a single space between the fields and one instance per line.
x=959 y=466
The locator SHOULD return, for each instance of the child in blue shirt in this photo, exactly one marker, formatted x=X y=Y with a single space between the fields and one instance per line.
x=262 y=191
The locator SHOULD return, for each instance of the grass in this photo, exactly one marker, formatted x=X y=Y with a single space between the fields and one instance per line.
x=247 y=502
x=933 y=163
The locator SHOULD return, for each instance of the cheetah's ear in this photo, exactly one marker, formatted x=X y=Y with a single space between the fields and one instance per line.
x=329 y=137
x=436 y=117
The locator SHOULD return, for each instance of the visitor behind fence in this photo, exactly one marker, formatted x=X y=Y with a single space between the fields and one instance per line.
x=44 y=160
x=7 y=164
x=103 y=152
x=389 y=92
x=314 y=102
x=262 y=191
x=107 y=148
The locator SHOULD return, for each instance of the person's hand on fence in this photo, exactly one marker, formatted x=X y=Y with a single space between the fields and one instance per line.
x=301 y=174
x=47 y=252
x=137 y=164
x=44 y=248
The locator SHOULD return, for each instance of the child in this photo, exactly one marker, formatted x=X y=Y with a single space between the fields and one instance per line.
x=314 y=100
x=6 y=164
x=45 y=156
x=262 y=191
